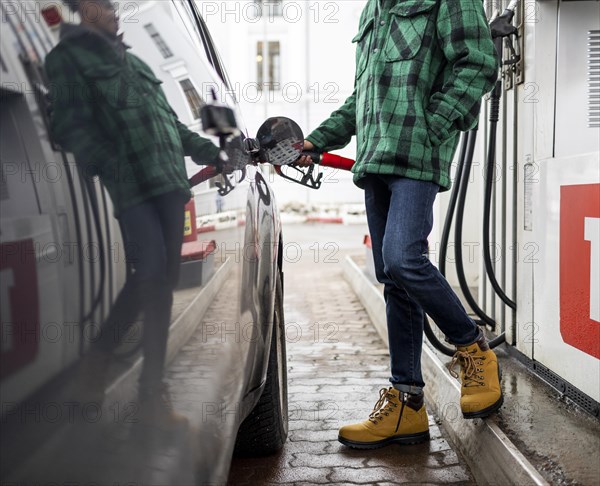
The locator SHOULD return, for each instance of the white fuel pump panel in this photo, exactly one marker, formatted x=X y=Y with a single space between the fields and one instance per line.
x=564 y=199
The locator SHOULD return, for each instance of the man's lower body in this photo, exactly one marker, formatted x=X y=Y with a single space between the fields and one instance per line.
x=400 y=217
x=152 y=235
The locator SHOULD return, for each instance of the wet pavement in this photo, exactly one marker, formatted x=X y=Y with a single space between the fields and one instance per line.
x=559 y=439
x=337 y=363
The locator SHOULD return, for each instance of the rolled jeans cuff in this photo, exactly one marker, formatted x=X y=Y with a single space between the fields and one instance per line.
x=410 y=389
x=470 y=341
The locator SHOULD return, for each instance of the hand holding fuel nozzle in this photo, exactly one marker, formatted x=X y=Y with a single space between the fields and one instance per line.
x=306 y=158
x=310 y=156
x=502 y=30
x=329 y=160
x=280 y=142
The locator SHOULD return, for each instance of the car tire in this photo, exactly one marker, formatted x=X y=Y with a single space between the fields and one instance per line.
x=265 y=429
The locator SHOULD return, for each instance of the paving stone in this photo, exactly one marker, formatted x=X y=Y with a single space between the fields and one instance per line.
x=313 y=484
x=305 y=389
x=282 y=459
x=312 y=435
x=419 y=455
x=450 y=474
x=370 y=475
x=390 y=484
x=437 y=445
x=292 y=475
x=411 y=483
x=443 y=458
x=307 y=447
x=316 y=425
x=333 y=460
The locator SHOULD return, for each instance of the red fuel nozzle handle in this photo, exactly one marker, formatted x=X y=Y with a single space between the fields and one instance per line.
x=330 y=160
x=203 y=175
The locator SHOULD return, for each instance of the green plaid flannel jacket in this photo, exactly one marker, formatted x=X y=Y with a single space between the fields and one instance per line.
x=109 y=110
x=422 y=67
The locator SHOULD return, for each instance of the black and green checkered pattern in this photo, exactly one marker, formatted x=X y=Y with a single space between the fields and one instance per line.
x=422 y=67
x=110 y=111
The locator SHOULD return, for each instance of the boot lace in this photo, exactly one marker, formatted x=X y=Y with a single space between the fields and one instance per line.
x=470 y=367
x=382 y=408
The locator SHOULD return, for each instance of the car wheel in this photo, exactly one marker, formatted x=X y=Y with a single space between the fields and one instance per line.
x=265 y=429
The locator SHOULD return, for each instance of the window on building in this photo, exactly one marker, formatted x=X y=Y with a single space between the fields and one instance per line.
x=270 y=8
x=268 y=69
x=159 y=41
x=193 y=98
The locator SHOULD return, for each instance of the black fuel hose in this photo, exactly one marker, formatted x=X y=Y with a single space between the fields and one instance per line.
x=452 y=204
x=489 y=183
x=460 y=212
x=458 y=241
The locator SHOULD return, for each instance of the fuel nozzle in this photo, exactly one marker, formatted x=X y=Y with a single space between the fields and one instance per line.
x=502 y=26
x=502 y=30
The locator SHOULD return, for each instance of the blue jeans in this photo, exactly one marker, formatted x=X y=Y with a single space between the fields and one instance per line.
x=153 y=235
x=400 y=217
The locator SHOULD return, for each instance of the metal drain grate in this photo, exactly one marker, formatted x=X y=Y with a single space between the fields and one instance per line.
x=584 y=401
x=593 y=59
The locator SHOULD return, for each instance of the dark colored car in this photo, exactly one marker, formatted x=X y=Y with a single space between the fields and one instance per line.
x=62 y=264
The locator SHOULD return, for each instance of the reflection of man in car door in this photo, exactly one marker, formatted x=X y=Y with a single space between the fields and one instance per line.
x=110 y=111
x=422 y=67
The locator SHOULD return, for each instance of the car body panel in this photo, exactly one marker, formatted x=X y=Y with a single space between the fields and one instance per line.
x=66 y=219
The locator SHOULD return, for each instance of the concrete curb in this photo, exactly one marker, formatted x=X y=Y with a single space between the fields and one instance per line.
x=328 y=220
x=219 y=221
x=320 y=219
x=492 y=457
x=180 y=332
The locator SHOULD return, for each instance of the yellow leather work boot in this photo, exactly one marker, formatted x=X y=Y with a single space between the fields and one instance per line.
x=480 y=394
x=396 y=418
